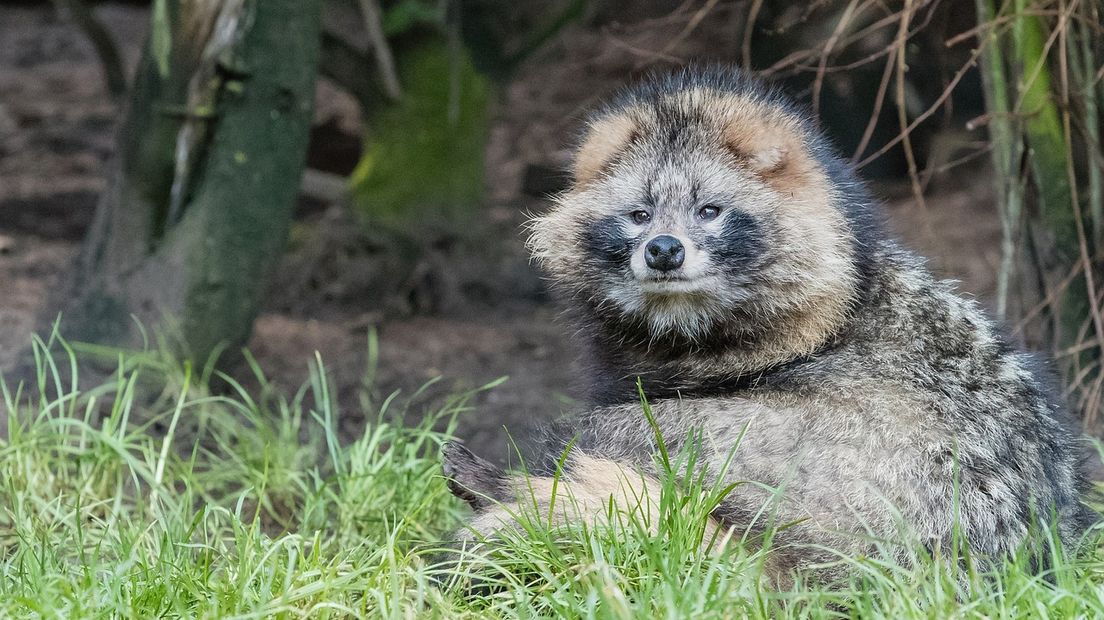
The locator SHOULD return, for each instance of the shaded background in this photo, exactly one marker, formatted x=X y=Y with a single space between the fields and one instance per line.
x=442 y=276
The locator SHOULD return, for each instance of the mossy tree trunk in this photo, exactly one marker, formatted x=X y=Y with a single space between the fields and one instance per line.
x=1054 y=227
x=1040 y=209
x=209 y=159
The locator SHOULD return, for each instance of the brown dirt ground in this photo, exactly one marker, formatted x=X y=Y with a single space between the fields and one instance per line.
x=56 y=128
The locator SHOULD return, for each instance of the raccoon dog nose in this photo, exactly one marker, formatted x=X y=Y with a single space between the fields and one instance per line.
x=664 y=253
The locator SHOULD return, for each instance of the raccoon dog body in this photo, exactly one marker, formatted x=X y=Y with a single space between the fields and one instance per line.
x=714 y=246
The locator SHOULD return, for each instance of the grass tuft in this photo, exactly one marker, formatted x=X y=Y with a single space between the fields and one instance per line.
x=150 y=495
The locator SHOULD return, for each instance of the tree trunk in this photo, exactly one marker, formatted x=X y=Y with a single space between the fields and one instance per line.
x=209 y=159
x=1055 y=225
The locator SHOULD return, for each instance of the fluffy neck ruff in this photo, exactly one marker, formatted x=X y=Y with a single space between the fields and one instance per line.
x=723 y=354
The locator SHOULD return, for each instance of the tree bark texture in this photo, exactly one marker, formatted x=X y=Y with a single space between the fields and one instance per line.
x=209 y=160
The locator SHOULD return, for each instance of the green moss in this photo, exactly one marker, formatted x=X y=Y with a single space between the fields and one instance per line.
x=424 y=156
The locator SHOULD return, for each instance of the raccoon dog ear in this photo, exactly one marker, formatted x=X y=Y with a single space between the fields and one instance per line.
x=762 y=154
x=606 y=139
x=471 y=478
x=759 y=139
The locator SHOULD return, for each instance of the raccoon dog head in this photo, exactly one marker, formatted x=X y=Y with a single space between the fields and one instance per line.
x=705 y=206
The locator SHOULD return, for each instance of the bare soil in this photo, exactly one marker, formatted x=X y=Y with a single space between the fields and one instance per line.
x=470 y=309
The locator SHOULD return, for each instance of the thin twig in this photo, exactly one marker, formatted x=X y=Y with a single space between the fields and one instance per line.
x=1050 y=299
x=381 y=49
x=749 y=28
x=102 y=42
x=932 y=171
x=1091 y=131
x=841 y=25
x=902 y=105
x=649 y=55
x=1075 y=204
x=690 y=27
x=879 y=100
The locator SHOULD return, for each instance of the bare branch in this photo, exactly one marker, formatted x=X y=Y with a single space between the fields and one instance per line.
x=381 y=49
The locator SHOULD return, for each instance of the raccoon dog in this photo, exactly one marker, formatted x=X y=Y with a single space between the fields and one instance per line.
x=716 y=247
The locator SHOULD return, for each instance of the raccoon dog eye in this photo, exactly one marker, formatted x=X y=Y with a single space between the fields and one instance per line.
x=641 y=216
x=709 y=212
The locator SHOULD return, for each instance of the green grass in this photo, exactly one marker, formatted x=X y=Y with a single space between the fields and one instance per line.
x=150 y=496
